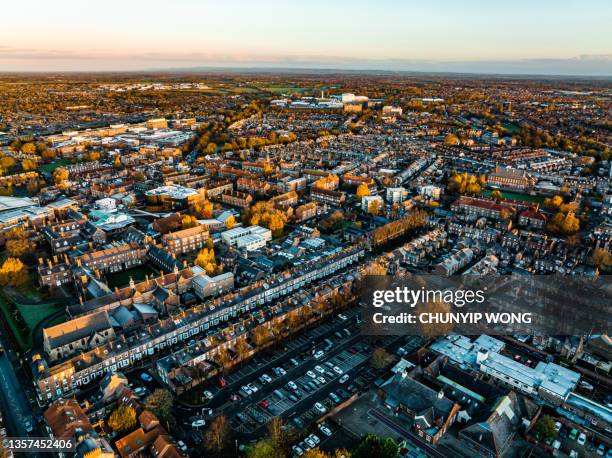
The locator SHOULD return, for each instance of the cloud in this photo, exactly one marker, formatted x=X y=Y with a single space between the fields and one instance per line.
x=56 y=59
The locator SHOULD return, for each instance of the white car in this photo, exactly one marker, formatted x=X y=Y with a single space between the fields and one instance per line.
x=197 y=423
x=322 y=380
x=311 y=444
x=581 y=439
x=207 y=395
x=319 y=369
x=344 y=378
x=182 y=446
x=311 y=374
x=319 y=354
x=342 y=317
x=247 y=390
x=320 y=407
x=297 y=450
x=315 y=439
x=325 y=430
x=338 y=371
x=253 y=387
x=558 y=426
x=265 y=378
x=292 y=385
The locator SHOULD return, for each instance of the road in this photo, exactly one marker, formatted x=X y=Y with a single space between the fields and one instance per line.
x=15 y=407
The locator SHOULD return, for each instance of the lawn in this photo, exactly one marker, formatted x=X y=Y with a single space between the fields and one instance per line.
x=516 y=196
x=34 y=313
x=285 y=89
x=121 y=279
x=53 y=165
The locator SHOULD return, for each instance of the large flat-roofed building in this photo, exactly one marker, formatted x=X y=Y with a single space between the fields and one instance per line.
x=251 y=238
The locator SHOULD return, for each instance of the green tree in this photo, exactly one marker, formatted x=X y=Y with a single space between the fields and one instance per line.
x=545 y=428
x=262 y=449
x=374 y=446
x=123 y=419
x=160 y=403
x=381 y=358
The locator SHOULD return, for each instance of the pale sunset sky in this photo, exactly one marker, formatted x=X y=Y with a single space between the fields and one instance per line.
x=518 y=36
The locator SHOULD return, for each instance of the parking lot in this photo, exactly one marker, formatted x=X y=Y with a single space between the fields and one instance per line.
x=311 y=386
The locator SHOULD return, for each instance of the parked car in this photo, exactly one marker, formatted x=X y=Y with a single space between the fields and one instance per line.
x=344 y=378
x=182 y=446
x=263 y=404
x=581 y=439
x=320 y=407
x=198 y=423
x=265 y=378
x=292 y=385
x=319 y=369
x=319 y=354
x=325 y=430
x=207 y=395
x=297 y=450
x=573 y=434
x=146 y=377
x=311 y=374
x=253 y=387
x=601 y=450
x=322 y=380
x=246 y=390
x=337 y=370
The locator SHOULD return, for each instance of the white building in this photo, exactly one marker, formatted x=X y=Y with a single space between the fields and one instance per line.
x=106 y=204
x=250 y=238
x=430 y=191
x=396 y=195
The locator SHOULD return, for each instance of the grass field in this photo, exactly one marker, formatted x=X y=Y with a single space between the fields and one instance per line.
x=53 y=165
x=285 y=89
x=515 y=196
x=121 y=279
x=34 y=313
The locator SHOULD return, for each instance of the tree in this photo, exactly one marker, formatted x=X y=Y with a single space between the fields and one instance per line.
x=374 y=207
x=545 y=428
x=28 y=148
x=16 y=242
x=206 y=260
x=381 y=358
x=189 y=221
x=374 y=446
x=563 y=224
x=496 y=195
x=230 y=222
x=216 y=437
x=363 y=190
x=242 y=348
x=602 y=259
x=278 y=437
x=261 y=449
x=451 y=139
x=204 y=209
x=13 y=272
x=123 y=419
x=160 y=403
x=60 y=175
x=28 y=164
x=315 y=453
x=261 y=335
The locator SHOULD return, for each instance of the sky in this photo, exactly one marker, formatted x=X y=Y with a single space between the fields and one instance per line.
x=514 y=36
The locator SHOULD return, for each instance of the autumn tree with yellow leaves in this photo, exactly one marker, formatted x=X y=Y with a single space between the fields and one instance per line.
x=13 y=272
x=362 y=191
x=265 y=214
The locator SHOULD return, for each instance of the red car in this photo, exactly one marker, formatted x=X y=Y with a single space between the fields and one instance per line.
x=222 y=382
x=264 y=404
